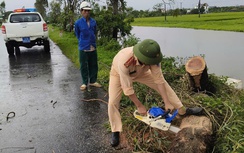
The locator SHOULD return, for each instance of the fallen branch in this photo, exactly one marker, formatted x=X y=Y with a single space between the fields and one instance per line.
x=17 y=148
x=94 y=100
x=8 y=116
x=54 y=104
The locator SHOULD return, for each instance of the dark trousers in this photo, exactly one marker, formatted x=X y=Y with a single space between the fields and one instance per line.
x=88 y=66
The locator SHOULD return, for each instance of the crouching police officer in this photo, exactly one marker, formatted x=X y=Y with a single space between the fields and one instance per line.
x=140 y=63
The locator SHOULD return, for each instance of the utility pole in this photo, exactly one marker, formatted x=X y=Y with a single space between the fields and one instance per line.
x=199 y=8
x=181 y=8
x=165 y=12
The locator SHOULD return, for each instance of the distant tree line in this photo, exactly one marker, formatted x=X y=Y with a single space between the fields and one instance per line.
x=216 y=9
x=157 y=11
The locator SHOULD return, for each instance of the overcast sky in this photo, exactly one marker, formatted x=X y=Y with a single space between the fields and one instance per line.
x=136 y=4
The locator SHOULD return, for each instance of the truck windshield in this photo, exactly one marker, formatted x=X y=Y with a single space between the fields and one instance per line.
x=16 y=18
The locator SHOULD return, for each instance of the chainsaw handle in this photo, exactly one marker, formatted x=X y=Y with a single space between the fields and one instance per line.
x=169 y=119
x=166 y=113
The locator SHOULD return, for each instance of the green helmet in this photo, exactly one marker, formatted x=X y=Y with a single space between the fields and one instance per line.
x=148 y=52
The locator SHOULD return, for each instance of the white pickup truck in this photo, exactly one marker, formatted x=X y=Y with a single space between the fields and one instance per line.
x=25 y=27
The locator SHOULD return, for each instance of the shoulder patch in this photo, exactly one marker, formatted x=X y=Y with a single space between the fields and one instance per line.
x=130 y=61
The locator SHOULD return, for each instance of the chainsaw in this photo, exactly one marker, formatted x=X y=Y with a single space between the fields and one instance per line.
x=159 y=118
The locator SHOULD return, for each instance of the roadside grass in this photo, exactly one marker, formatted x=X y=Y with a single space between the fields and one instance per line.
x=224 y=108
x=231 y=21
x=67 y=43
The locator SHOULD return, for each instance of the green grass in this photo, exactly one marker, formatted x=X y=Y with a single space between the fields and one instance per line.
x=212 y=21
x=67 y=42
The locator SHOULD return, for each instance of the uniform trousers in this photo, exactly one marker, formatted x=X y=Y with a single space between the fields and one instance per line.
x=115 y=94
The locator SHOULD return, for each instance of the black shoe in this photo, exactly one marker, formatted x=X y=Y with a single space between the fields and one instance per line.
x=115 y=139
x=193 y=111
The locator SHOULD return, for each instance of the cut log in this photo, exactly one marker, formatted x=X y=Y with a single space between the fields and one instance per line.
x=197 y=75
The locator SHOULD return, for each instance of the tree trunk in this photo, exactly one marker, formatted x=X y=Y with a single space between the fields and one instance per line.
x=197 y=75
x=115 y=4
x=65 y=16
x=195 y=136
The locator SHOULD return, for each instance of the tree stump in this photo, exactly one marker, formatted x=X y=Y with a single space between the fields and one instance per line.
x=195 y=136
x=197 y=75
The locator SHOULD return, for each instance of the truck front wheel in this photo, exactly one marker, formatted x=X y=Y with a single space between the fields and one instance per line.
x=10 y=49
x=47 y=46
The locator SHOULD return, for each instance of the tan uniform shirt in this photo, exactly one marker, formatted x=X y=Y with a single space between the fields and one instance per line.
x=127 y=67
x=125 y=70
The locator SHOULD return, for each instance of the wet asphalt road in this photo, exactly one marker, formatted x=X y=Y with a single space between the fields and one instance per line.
x=43 y=91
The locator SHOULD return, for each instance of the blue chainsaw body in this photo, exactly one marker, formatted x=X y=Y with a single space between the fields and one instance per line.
x=158 y=118
x=156 y=112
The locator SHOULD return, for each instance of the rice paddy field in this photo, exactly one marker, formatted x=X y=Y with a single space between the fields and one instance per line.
x=229 y=21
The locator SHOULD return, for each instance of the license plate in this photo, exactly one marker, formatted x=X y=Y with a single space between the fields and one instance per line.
x=26 y=39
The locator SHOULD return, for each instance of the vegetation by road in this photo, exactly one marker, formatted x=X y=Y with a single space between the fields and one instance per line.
x=224 y=108
x=227 y=21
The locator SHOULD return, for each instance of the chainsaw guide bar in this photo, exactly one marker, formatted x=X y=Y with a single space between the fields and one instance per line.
x=158 y=118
